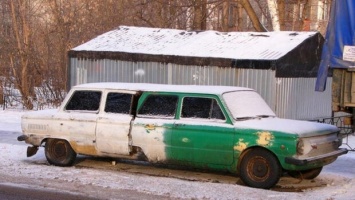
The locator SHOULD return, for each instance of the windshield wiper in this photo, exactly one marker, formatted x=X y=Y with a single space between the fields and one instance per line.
x=263 y=116
x=254 y=117
x=244 y=118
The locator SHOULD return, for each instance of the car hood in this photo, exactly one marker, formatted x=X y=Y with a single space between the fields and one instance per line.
x=301 y=128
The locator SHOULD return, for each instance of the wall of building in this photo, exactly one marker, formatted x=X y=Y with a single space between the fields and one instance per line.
x=293 y=98
x=296 y=99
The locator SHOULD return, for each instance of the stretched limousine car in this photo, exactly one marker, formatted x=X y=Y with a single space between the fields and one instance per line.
x=213 y=127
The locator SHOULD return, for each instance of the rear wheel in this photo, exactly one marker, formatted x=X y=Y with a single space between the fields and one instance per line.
x=306 y=174
x=59 y=152
x=260 y=169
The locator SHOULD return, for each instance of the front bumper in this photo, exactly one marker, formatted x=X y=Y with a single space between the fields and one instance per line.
x=315 y=159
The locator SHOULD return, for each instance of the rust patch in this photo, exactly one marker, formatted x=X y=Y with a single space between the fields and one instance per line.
x=265 y=138
x=240 y=146
x=149 y=127
x=84 y=149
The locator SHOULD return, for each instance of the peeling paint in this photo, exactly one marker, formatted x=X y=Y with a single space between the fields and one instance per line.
x=241 y=145
x=185 y=140
x=265 y=138
x=152 y=144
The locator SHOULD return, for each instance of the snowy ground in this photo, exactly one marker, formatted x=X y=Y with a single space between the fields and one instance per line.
x=337 y=180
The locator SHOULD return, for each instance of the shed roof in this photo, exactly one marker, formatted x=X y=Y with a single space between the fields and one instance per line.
x=211 y=44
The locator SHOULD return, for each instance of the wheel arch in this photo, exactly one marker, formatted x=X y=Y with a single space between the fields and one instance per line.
x=59 y=152
x=245 y=151
x=45 y=140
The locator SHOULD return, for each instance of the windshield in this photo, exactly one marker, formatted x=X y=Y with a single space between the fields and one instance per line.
x=247 y=104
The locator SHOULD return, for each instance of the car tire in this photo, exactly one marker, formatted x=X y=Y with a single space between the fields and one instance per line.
x=259 y=168
x=59 y=152
x=306 y=174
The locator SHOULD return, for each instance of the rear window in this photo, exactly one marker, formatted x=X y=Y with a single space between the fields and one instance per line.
x=160 y=106
x=118 y=103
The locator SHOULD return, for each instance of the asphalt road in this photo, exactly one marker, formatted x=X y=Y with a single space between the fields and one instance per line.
x=18 y=192
x=12 y=192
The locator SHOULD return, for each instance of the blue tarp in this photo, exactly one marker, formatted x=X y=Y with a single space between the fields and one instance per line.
x=340 y=32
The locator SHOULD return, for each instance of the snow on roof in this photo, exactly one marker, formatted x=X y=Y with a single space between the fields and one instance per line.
x=163 y=88
x=233 y=45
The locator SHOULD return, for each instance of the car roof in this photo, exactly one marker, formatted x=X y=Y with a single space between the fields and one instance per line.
x=200 y=89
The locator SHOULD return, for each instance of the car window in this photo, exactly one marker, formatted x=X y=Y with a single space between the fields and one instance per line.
x=118 y=103
x=205 y=108
x=84 y=100
x=159 y=105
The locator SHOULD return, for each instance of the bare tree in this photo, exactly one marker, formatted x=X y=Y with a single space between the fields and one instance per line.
x=19 y=59
x=281 y=13
x=200 y=13
x=253 y=17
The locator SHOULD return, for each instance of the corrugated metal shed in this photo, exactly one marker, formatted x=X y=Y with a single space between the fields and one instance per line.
x=281 y=66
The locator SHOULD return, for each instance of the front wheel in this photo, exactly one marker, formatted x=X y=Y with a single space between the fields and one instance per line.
x=59 y=152
x=260 y=169
x=306 y=174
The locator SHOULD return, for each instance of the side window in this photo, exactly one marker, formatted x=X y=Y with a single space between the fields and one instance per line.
x=205 y=108
x=159 y=105
x=84 y=100
x=118 y=103
x=216 y=111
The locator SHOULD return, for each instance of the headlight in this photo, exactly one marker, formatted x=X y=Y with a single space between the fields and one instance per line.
x=303 y=146
x=300 y=147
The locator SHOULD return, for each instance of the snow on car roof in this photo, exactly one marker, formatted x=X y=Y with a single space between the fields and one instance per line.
x=213 y=44
x=205 y=89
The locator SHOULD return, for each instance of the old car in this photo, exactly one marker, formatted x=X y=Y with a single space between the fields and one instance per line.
x=214 y=127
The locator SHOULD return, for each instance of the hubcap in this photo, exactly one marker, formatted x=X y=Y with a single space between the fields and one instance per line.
x=258 y=169
x=59 y=150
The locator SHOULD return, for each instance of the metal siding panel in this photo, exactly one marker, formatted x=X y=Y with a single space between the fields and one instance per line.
x=262 y=81
x=296 y=99
x=113 y=77
x=126 y=72
x=200 y=75
x=113 y=70
x=89 y=71
x=73 y=73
